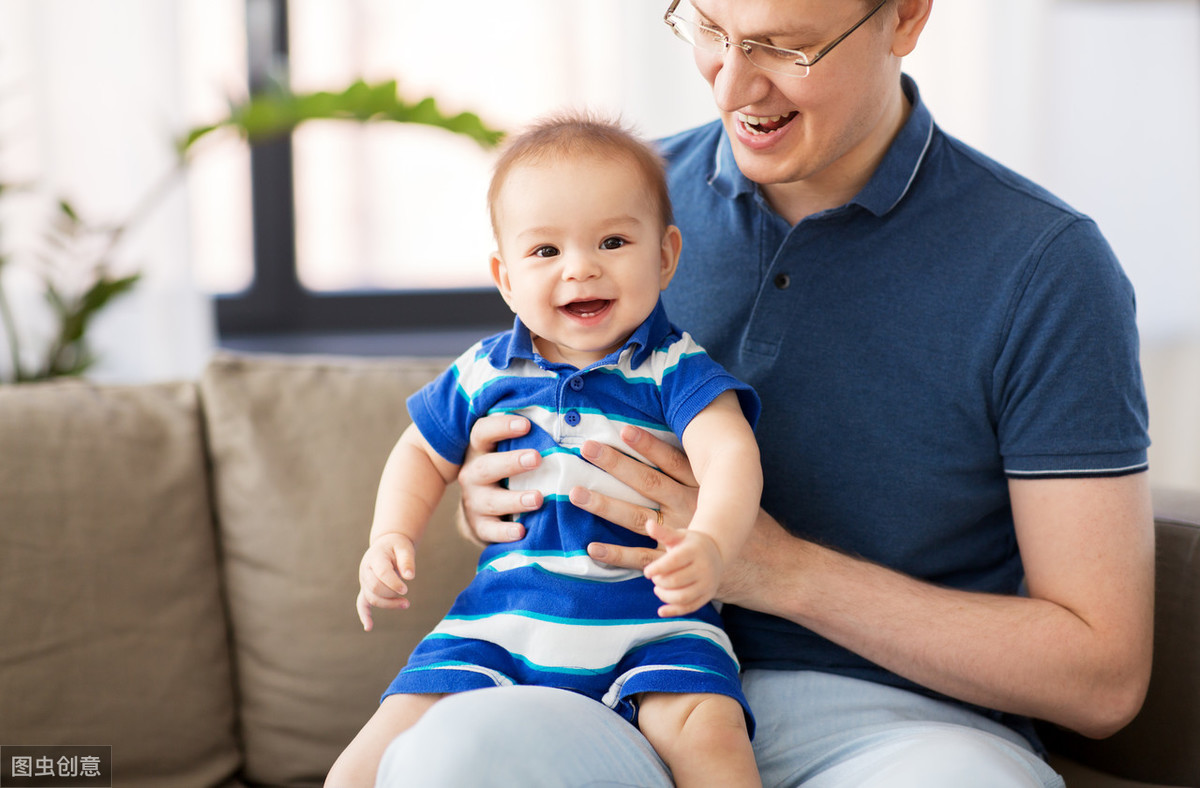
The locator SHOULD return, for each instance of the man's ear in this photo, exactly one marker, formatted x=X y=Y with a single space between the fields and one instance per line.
x=911 y=18
x=672 y=245
x=500 y=277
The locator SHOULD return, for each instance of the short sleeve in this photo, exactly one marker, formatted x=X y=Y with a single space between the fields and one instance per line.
x=692 y=380
x=442 y=409
x=1068 y=388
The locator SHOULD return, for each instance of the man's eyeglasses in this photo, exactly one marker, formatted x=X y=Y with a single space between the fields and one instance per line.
x=791 y=62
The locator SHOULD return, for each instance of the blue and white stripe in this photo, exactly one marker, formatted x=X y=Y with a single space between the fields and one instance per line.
x=540 y=610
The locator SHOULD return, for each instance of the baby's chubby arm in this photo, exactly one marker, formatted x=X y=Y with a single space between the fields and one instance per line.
x=413 y=481
x=724 y=457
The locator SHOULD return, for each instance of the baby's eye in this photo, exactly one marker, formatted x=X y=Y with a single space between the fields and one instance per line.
x=612 y=243
x=545 y=251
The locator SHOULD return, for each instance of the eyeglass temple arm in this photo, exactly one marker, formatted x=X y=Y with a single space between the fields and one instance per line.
x=671 y=10
x=839 y=39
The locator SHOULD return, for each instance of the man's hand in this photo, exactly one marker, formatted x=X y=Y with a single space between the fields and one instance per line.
x=675 y=489
x=389 y=562
x=485 y=501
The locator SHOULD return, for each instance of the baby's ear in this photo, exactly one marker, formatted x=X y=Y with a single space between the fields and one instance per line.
x=500 y=277
x=672 y=245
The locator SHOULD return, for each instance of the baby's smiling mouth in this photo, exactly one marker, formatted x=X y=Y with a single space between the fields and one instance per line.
x=757 y=124
x=587 y=308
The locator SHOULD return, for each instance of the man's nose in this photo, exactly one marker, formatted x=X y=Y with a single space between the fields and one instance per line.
x=738 y=83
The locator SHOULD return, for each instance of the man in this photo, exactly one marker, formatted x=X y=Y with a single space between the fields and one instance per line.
x=956 y=531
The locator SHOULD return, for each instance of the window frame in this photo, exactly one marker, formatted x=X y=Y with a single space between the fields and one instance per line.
x=276 y=303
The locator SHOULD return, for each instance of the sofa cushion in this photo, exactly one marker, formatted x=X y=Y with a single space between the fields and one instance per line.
x=298 y=445
x=113 y=631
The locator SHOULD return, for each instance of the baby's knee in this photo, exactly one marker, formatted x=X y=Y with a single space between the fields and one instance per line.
x=703 y=738
x=694 y=721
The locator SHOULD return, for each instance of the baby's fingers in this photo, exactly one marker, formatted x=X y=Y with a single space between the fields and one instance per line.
x=364 y=611
x=378 y=577
x=405 y=561
x=680 y=601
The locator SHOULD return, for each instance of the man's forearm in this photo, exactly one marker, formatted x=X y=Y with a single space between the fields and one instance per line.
x=1021 y=655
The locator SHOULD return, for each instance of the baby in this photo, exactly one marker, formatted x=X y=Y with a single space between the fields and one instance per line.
x=582 y=219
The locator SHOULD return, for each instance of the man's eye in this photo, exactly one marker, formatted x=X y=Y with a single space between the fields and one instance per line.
x=545 y=251
x=713 y=35
x=612 y=243
x=782 y=53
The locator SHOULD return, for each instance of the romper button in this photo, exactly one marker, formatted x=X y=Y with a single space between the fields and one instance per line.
x=576 y=384
x=572 y=418
x=783 y=281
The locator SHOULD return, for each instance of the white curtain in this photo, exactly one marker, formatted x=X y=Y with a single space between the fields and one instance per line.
x=1099 y=101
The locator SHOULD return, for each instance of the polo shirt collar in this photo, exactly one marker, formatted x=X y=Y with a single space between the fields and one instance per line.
x=887 y=186
x=901 y=163
x=649 y=335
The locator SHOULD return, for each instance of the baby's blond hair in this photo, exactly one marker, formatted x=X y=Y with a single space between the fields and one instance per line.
x=575 y=134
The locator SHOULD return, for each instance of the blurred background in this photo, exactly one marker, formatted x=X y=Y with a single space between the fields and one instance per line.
x=373 y=238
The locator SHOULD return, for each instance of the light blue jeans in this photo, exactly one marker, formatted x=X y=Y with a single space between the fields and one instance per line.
x=814 y=730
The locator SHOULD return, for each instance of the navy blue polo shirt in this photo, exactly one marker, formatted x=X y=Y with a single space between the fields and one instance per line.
x=952 y=326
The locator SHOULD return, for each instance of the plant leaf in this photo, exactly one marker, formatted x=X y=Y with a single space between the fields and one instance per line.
x=276 y=113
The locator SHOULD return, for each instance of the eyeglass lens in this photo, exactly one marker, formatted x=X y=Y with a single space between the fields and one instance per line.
x=685 y=22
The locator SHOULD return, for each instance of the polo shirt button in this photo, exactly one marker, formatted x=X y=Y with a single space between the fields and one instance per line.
x=783 y=281
x=572 y=418
x=576 y=384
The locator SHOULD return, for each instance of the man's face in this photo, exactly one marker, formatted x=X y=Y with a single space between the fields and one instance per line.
x=786 y=129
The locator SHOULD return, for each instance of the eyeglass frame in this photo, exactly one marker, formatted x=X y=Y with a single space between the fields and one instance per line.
x=747 y=43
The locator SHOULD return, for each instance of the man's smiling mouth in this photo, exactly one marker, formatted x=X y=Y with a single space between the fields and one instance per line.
x=756 y=124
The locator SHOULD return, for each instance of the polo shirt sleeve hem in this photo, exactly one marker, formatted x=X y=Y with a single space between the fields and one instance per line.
x=1086 y=466
x=684 y=411
x=442 y=410
x=426 y=416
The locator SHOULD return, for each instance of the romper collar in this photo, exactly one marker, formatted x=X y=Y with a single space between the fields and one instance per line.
x=648 y=336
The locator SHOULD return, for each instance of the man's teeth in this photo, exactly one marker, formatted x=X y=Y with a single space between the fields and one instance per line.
x=755 y=120
x=755 y=123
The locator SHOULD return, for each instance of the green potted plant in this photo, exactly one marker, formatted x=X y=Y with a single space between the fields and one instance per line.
x=76 y=277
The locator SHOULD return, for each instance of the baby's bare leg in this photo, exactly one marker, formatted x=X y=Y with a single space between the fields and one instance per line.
x=702 y=738
x=358 y=763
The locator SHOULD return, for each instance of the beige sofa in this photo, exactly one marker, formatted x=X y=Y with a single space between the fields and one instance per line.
x=177 y=578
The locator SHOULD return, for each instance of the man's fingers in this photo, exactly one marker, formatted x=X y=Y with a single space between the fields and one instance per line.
x=485 y=502
x=490 y=430
x=625 y=557
x=618 y=512
x=638 y=475
x=492 y=530
x=492 y=468
x=670 y=460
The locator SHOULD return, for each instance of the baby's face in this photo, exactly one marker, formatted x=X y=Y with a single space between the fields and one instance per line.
x=583 y=254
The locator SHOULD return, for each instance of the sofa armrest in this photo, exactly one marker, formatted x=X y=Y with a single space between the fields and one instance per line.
x=1160 y=746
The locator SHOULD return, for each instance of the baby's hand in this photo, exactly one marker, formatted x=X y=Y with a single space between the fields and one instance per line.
x=385 y=567
x=686 y=577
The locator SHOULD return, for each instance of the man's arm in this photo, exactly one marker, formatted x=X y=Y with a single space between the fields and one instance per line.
x=1075 y=652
